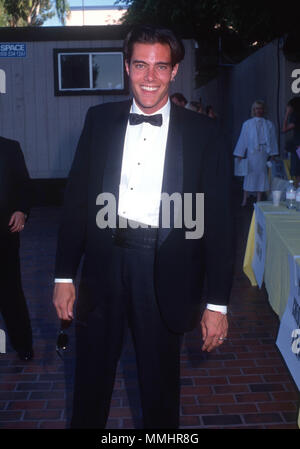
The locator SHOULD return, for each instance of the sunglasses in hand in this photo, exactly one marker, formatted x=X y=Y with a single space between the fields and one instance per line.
x=62 y=339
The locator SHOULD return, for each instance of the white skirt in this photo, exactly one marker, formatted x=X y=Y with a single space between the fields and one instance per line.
x=257 y=178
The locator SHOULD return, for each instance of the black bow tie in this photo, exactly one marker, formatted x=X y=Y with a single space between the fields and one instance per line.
x=136 y=119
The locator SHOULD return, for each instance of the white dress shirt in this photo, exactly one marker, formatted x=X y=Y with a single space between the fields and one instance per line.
x=143 y=168
x=142 y=174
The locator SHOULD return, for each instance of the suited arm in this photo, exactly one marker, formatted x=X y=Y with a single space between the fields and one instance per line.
x=218 y=238
x=72 y=229
x=219 y=243
x=23 y=190
x=24 y=200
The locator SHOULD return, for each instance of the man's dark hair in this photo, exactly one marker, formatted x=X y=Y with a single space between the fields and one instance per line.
x=145 y=34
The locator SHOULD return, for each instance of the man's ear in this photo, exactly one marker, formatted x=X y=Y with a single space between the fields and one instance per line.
x=174 y=71
x=127 y=67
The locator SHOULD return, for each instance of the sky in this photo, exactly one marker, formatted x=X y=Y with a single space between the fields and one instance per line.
x=55 y=21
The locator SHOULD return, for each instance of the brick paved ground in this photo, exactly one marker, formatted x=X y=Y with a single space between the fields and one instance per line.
x=244 y=384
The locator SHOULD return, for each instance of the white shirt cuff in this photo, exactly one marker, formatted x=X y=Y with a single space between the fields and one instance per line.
x=64 y=281
x=216 y=308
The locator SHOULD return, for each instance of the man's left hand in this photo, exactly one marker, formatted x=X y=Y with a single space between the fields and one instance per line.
x=17 y=222
x=214 y=327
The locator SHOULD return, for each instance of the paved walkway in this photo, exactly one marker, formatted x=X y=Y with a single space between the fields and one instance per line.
x=243 y=384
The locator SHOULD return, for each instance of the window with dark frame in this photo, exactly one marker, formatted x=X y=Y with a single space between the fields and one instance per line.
x=89 y=71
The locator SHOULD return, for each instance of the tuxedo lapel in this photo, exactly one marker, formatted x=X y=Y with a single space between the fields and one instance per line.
x=173 y=167
x=117 y=131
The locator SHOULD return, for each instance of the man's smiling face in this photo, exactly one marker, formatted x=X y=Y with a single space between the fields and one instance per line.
x=150 y=72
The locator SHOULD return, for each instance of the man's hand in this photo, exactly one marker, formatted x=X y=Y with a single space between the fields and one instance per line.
x=17 y=222
x=63 y=300
x=214 y=329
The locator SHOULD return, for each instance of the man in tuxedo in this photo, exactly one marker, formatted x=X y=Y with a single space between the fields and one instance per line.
x=145 y=273
x=15 y=198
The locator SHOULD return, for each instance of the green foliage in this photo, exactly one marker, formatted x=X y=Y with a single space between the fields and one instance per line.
x=3 y=15
x=227 y=31
x=62 y=9
x=169 y=13
x=31 y=12
x=252 y=20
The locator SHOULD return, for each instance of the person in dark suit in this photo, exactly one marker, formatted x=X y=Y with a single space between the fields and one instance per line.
x=148 y=273
x=15 y=199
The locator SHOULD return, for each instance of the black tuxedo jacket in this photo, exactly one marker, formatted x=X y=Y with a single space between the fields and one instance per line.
x=196 y=161
x=15 y=187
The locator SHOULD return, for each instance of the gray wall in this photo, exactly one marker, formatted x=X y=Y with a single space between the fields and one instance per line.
x=48 y=127
x=264 y=75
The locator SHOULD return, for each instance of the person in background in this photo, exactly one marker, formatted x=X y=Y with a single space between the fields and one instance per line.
x=179 y=99
x=15 y=200
x=194 y=106
x=291 y=122
x=257 y=142
x=210 y=111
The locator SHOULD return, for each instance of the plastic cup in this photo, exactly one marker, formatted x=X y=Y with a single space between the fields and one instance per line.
x=276 y=194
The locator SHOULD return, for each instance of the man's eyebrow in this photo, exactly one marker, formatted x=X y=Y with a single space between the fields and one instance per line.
x=163 y=63
x=138 y=61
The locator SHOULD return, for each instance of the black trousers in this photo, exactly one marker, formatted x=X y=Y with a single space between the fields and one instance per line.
x=13 y=305
x=99 y=344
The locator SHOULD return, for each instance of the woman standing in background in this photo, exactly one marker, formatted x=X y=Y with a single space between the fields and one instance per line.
x=257 y=142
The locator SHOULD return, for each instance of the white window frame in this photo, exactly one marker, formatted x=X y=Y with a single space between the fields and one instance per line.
x=59 y=90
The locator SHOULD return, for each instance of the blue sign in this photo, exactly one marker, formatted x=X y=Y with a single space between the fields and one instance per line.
x=12 y=50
